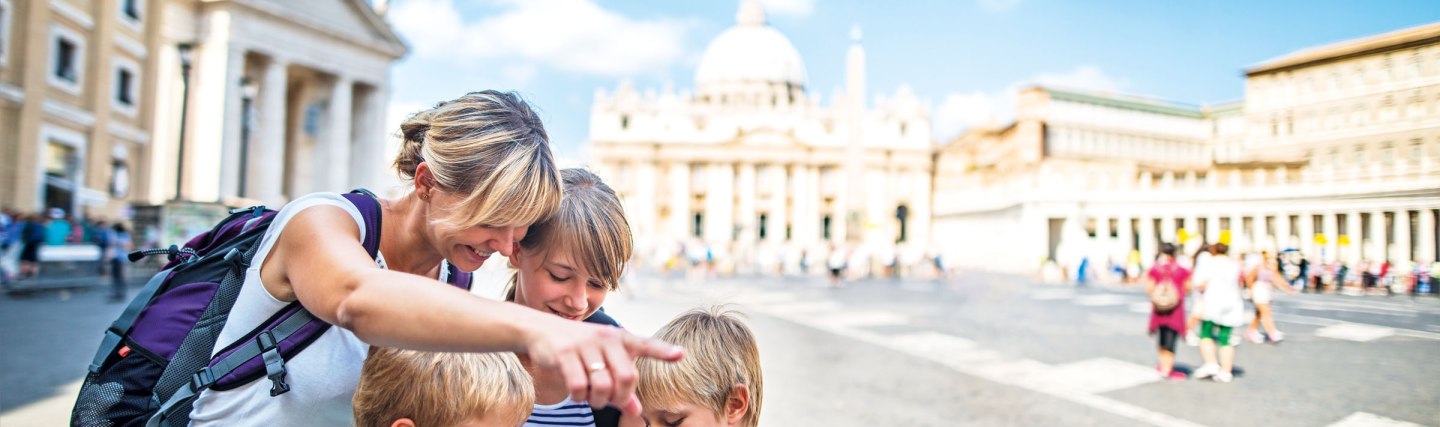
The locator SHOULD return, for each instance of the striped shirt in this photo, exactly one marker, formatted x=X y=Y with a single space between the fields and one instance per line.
x=565 y=413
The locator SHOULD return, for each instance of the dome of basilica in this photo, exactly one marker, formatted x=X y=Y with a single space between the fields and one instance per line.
x=750 y=52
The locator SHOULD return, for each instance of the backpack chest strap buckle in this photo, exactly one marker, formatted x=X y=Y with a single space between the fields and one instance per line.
x=274 y=363
x=203 y=378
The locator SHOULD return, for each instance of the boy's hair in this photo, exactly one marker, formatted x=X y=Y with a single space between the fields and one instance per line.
x=720 y=352
x=591 y=222
x=441 y=388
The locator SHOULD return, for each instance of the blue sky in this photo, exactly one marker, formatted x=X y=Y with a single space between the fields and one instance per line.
x=964 y=57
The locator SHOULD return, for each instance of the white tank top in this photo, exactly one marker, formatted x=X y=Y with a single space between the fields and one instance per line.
x=322 y=378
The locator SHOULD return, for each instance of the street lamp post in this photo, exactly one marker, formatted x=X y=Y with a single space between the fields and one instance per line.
x=249 y=90
x=185 y=57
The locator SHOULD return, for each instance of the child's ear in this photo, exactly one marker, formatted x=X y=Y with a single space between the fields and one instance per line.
x=737 y=404
x=403 y=422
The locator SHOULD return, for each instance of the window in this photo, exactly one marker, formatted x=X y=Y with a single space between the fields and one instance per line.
x=764 y=224
x=4 y=31
x=130 y=9
x=624 y=121
x=65 y=67
x=127 y=86
x=67 y=59
x=825 y=227
x=699 y=230
x=123 y=82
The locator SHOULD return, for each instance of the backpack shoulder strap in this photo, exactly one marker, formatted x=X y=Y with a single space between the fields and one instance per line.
x=270 y=347
x=459 y=278
x=370 y=214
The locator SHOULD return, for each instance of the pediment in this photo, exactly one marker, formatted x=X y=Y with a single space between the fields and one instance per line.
x=353 y=19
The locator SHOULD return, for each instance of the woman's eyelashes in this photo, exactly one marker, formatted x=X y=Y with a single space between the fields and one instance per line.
x=558 y=278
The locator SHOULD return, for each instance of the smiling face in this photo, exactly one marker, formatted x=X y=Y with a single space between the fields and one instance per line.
x=468 y=247
x=553 y=282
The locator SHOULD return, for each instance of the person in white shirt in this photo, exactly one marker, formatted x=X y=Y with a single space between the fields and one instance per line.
x=1223 y=311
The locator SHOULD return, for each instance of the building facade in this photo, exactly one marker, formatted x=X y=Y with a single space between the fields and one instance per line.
x=285 y=98
x=277 y=99
x=1335 y=152
x=755 y=169
x=75 y=110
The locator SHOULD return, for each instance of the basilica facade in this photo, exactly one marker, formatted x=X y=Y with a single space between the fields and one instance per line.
x=752 y=167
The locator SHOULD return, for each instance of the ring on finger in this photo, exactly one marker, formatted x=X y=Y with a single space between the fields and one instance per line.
x=597 y=366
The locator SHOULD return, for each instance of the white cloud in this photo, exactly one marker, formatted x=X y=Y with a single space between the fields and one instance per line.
x=799 y=8
x=998 y=6
x=571 y=35
x=960 y=111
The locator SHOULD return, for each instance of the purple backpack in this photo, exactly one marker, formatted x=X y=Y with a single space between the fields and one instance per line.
x=155 y=359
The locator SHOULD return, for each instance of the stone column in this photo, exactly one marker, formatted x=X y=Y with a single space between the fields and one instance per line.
x=1102 y=236
x=332 y=165
x=1126 y=233
x=779 y=194
x=805 y=220
x=1330 y=226
x=267 y=149
x=720 y=202
x=1148 y=244
x=233 y=114
x=1352 y=227
x=745 y=210
x=1307 y=234
x=644 y=202
x=1212 y=227
x=1401 y=251
x=1282 y=232
x=1167 y=226
x=1237 y=233
x=1375 y=250
x=371 y=155
x=1190 y=223
x=680 y=227
x=1426 y=237
x=211 y=153
x=1261 y=239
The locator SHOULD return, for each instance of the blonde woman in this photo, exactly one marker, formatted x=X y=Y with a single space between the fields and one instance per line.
x=482 y=173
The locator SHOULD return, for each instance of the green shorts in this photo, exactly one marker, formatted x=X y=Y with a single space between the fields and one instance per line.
x=1220 y=333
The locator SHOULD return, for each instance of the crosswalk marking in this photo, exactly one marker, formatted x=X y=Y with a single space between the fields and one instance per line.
x=1052 y=294
x=1354 y=332
x=1102 y=299
x=1365 y=419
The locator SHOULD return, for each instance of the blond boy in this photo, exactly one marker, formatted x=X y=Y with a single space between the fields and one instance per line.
x=406 y=388
x=718 y=383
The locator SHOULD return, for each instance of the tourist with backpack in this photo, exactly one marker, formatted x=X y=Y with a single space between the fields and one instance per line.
x=481 y=172
x=1167 y=285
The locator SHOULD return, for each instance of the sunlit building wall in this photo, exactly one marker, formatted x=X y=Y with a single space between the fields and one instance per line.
x=75 y=100
x=1334 y=152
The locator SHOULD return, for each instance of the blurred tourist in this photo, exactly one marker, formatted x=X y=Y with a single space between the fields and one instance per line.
x=1263 y=279
x=1224 y=310
x=1167 y=285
